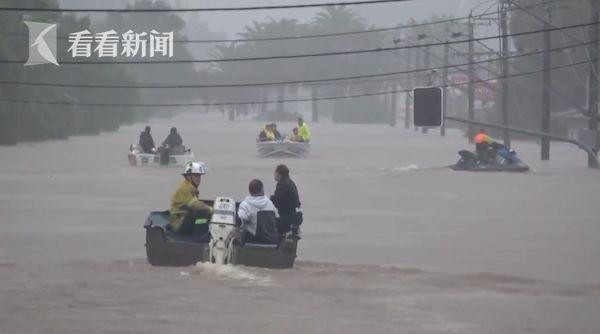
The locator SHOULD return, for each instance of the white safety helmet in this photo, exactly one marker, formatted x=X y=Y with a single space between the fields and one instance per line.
x=195 y=168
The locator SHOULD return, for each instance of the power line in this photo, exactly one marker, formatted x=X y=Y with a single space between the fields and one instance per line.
x=306 y=55
x=355 y=32
x=213 y=9
x=291 y=82
x=287 y=100
x=545 y=22
x=264 y=39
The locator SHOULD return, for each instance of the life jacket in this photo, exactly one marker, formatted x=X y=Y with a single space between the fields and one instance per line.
x=270 y=135
x=304 y=132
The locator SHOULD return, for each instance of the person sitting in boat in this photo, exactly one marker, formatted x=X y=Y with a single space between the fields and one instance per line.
x=188 y=214
x=286 y=200
x=173 y=139
x=172 y=145
x=266 y=134
x=276 y=133
x=295 y=136
x=256 y=206
x=303 y=130
x=146 y=142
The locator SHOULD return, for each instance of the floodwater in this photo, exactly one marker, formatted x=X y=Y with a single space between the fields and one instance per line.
x=392 y=241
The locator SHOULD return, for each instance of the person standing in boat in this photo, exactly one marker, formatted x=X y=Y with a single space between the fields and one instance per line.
x=286 y=200
x=146 y=141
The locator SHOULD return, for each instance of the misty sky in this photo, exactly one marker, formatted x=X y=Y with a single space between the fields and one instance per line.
x=386 y=14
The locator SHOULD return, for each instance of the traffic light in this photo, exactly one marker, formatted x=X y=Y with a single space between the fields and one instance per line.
x=427 y=106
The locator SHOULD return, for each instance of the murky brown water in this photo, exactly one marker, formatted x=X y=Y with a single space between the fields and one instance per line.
x=387 y=248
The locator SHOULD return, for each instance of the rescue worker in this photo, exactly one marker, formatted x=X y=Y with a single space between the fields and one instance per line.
x=483 y=143
x=303 y=130
x=248 y=215
x=286 y=200
x=146 y=142
x=188 y=214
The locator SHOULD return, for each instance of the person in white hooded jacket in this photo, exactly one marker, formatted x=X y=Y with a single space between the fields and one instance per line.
x=251 y=205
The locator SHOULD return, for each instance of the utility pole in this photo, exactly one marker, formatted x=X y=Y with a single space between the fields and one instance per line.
x=315 y=104
x=504 y=53
x=393 y=105
x=445 y=88
x=593 y=81
x=471 y=88
x=546 y=82
x=409 y=82
x=429 y=79
x=407 y=110
x=419 y=66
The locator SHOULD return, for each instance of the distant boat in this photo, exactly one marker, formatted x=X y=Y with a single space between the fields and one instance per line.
x=286 y=147
x=136 y=157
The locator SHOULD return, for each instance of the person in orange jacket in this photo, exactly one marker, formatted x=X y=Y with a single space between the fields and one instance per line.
x=482 y=144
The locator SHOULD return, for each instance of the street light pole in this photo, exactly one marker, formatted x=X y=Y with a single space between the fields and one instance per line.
x=410 y=83
x=504 y=81
x=429 y=79
x=593 y=81
x=445 y=88
x=471 y=88
x=546 y=82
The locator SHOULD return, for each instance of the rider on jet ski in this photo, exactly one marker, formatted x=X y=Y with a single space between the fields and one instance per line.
x=484 y=145
x=487 y=148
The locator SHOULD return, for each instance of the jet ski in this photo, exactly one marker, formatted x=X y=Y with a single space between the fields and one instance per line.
x=179 y=157
x=496 y=159
x=222 y=243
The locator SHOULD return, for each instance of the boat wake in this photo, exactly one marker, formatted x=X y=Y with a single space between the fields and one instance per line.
x=228 y=272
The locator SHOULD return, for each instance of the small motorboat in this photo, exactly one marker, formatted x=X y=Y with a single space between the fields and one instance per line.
x=283 y=147
x=178 y=156
x=221 y=245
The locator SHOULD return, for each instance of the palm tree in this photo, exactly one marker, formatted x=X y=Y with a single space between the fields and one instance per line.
x=261 y=71
x=342 y=19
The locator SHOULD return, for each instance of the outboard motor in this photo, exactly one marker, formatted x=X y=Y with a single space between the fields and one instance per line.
x=222 y=230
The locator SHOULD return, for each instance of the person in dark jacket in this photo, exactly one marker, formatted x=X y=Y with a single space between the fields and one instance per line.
x=146 y=142
x=286 y=200
x=275 y=132
x=168 y=146
x=173 y=139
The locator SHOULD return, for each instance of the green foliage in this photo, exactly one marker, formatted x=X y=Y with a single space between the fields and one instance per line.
x=30 y=121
